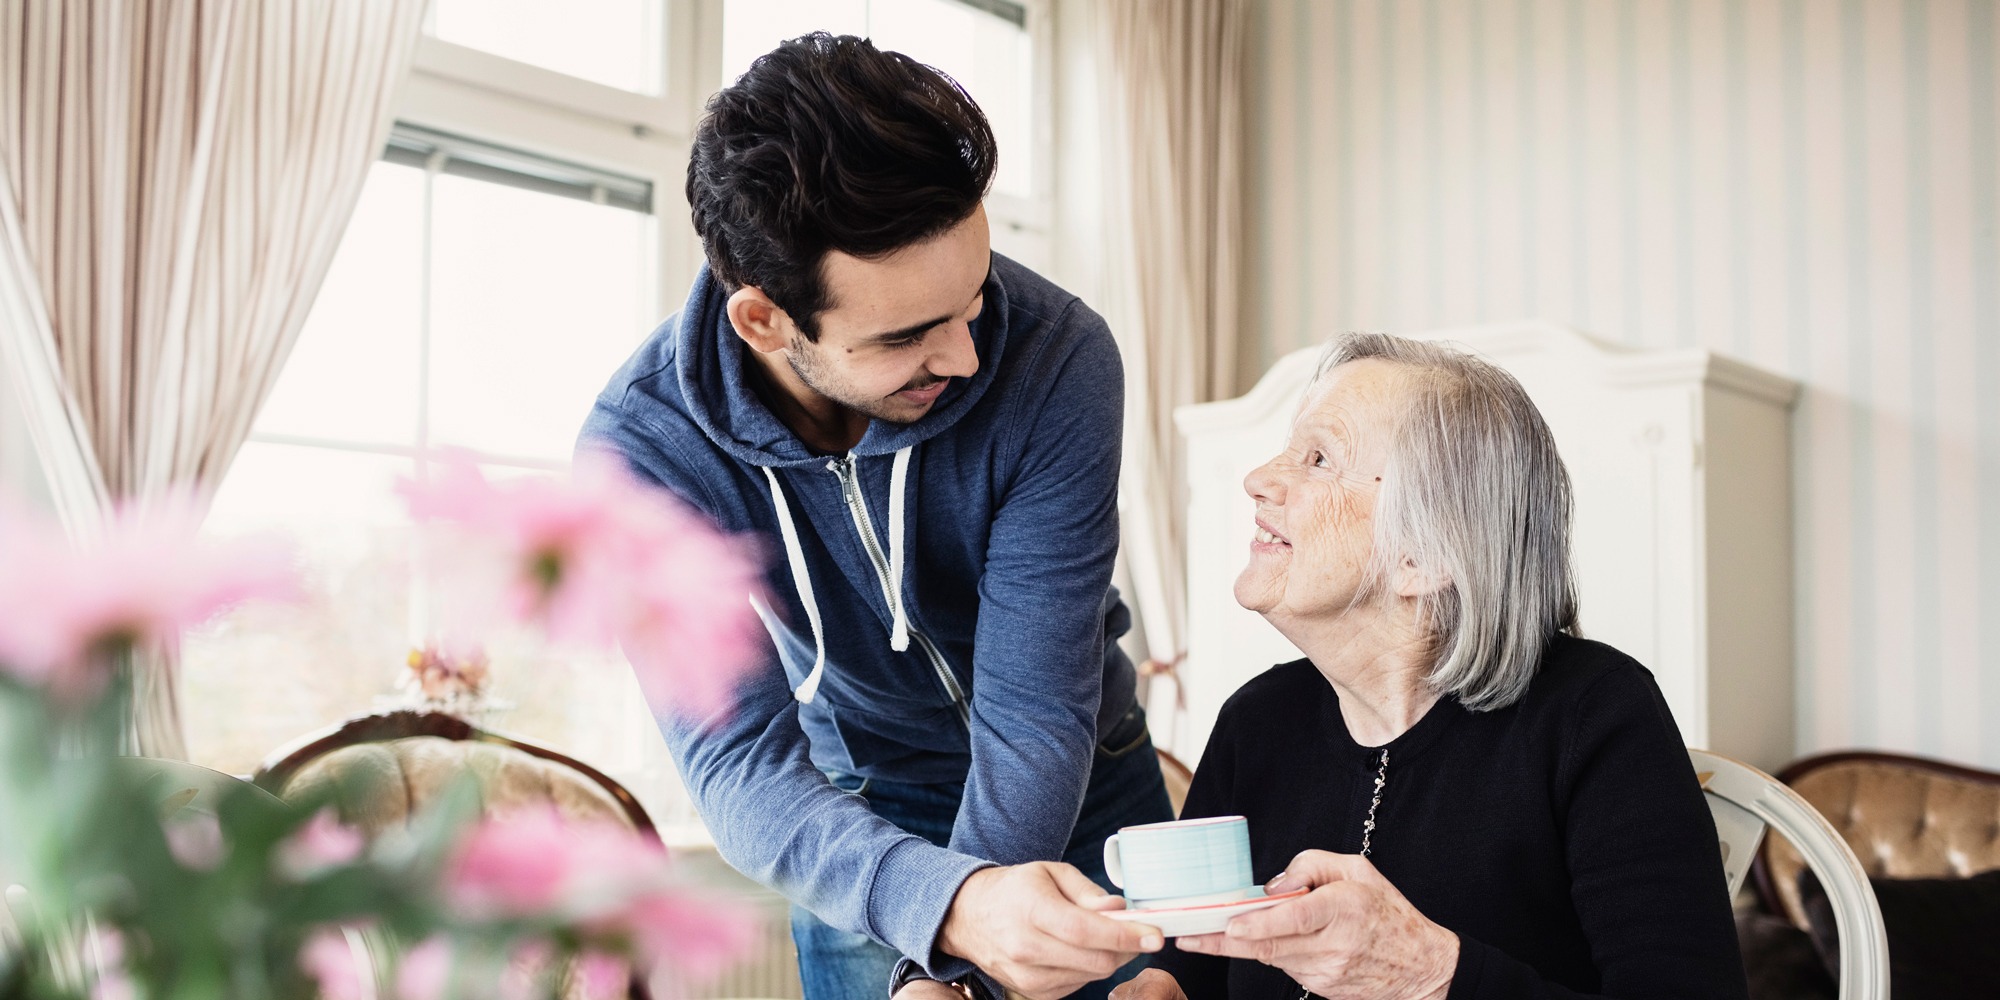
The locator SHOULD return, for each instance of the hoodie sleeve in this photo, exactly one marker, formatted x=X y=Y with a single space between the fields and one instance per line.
x=1039 y=663
x=774 y=816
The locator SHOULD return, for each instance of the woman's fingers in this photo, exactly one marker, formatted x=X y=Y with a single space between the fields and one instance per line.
x=1303 y=927
x=1312 y=869
x=1150 y=984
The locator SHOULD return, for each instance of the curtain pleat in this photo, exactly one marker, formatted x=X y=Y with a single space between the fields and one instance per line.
x=175 y=177
x=1173 y=234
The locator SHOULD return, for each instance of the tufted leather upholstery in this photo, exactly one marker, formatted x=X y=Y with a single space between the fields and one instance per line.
x=380 y=786
x=1904 y=817
x=384 y=768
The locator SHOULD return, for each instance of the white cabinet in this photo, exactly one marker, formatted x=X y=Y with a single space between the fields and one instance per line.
x=1682 y=542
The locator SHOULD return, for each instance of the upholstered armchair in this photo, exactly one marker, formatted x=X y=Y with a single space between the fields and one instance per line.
x=382 y=769
x=1927 y=833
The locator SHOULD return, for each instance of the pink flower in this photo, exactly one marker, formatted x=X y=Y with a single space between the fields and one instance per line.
x=602 y=557
x=113 y=985
x=104 y=954
x=697 y=934
x=195 y=840
x=611 y=883
x=324 y=842
x=140 y=581
x=425 y=971
x=600 y=976
x=528 y=974
x=534 y=862
x=510 y=867
x=331 y=962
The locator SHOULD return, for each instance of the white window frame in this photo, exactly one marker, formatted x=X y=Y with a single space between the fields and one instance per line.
x=453 y=88
x=464 y=91
x=1033 y=217
x=486 y=97
x=467 y=92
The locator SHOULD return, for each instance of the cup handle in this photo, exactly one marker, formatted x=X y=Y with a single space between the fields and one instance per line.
x=1112 y=866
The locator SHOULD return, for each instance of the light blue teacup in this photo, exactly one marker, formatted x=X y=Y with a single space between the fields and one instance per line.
x=1190 y=862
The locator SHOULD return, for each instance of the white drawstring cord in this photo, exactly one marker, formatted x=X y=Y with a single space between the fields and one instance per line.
x=802 y=580
x=899 y=633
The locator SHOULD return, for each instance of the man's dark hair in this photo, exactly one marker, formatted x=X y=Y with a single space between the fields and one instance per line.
x=828 y=143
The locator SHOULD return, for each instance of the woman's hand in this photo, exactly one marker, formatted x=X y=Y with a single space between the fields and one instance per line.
x=1150 y=984
x=1354 y=937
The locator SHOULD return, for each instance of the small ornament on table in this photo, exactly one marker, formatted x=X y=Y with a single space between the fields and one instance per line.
x=452 y=681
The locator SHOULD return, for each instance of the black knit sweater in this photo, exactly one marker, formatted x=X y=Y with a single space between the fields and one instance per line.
x=1563 y=838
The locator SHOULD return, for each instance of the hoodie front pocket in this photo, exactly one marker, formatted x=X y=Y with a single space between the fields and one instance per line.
x=874 y=739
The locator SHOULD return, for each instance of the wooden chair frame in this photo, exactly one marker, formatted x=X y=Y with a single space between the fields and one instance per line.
x=1745 y=802
x=278 y=768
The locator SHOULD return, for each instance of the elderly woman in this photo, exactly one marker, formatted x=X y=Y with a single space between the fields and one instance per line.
x=1482 y=803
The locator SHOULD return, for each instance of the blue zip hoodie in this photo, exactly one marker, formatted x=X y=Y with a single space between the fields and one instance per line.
x=942 y=612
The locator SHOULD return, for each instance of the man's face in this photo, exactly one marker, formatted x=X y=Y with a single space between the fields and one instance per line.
x=899 y=328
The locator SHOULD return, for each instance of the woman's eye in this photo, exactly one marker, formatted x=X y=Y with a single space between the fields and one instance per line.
x=1319 y=460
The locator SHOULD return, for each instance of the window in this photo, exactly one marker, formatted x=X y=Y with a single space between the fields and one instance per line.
x=613 y=42
x=986 y=45
x=480 y=299
x=523 y=232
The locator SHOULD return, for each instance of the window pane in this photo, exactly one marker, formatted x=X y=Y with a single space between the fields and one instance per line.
x=352 y=376
x=535 y=301
x=613 y=42
x=751 y=28
x=988 y=56
x=264 y=675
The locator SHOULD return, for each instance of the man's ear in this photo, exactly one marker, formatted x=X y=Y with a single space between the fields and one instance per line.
x=759 y=321
x=1412 y=580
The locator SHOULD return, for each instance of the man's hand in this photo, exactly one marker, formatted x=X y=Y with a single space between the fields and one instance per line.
x=1036 y=928
x=1150 y=984
x=927 y=989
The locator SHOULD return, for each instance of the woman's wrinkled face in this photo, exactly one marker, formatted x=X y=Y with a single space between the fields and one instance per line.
x=1316 y=500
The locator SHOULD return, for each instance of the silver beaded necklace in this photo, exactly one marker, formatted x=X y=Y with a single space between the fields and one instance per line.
x=1381 y=778
x=1368 y=825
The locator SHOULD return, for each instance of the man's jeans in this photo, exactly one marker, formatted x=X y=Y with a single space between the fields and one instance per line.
x=1125 y=789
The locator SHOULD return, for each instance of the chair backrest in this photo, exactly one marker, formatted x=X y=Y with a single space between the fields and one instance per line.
x=1177 y=777
x=1903 y=816
x=1746 y=801
x=382 y=769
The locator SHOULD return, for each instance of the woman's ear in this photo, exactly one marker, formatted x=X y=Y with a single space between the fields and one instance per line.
x=1413 y=580
x=759 y=321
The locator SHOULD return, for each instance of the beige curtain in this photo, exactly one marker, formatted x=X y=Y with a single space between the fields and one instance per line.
x=175 y=176
x=1174 y=74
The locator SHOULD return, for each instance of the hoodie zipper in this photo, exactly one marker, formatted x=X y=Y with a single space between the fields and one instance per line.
x=857 y=508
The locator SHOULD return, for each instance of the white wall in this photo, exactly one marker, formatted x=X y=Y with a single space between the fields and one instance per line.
x=1809 y=185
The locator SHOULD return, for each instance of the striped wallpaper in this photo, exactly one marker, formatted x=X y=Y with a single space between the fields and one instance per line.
x=1810 y=185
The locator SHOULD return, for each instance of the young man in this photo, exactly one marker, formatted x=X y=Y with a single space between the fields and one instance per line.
x=928 y=436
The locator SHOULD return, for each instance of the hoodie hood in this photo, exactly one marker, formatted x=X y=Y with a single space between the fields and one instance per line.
x=713 y=371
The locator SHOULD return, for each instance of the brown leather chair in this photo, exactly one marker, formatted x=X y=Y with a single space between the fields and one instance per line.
x=1178 y=779
x=382 y=769
x=1904 y=817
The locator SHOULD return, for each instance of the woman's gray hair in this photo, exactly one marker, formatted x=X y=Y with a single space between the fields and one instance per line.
x=1474 y=494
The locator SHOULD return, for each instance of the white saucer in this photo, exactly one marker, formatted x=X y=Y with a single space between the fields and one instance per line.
x=1210 y=919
